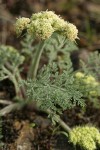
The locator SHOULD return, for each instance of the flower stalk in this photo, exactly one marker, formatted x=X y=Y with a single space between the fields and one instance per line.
x=35 y=62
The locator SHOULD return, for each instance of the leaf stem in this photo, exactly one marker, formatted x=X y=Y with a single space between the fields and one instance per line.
x=59 y=121
x=13 y=79
x=10 y=108
x=22 y=89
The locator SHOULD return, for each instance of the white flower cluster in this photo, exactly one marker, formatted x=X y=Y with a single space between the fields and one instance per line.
x=44 y=23
x=87 y=137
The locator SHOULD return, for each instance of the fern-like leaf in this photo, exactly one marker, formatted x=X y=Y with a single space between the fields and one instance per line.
x=54 y=91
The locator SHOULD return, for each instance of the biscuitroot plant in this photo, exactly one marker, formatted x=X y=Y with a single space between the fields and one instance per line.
x=56 y=87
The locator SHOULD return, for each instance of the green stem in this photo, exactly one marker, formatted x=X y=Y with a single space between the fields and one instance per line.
x=13 y=79
x=10 y=108
x=22 y=89
x=16 y=74
x=59 y=121
x=35 y=62
x=19 y=106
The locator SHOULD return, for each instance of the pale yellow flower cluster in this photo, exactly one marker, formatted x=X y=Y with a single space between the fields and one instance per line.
x=89 y=80
x=71 y=31
x=21 y=24
x=87 y=137
x=44 y=24
x=41 y=29
x=79 y=75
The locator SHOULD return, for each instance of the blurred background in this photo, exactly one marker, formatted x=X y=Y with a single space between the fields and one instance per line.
x=85 y=14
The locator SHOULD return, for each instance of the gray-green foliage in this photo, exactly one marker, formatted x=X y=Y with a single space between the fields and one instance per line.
x=59 y=44
x=92 y=66
x=27 y=47
x=10 y=60
x=57 y=47
x=54 y=91
x=10 y=54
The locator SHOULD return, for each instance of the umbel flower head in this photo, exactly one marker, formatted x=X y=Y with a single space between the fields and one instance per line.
x=21 y=24
x=41 y=29
x=44 y=24
x=87 y=137
x=71 y=31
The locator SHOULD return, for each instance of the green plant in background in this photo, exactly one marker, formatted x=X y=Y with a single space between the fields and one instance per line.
x=89 y=31
x=89 y=78
x=88 y=82
x=92 y=66
x=56 y=87
x=10 y=61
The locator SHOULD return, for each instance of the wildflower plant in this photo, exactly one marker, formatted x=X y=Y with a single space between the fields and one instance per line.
x=43 y=25
x=55 y=87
